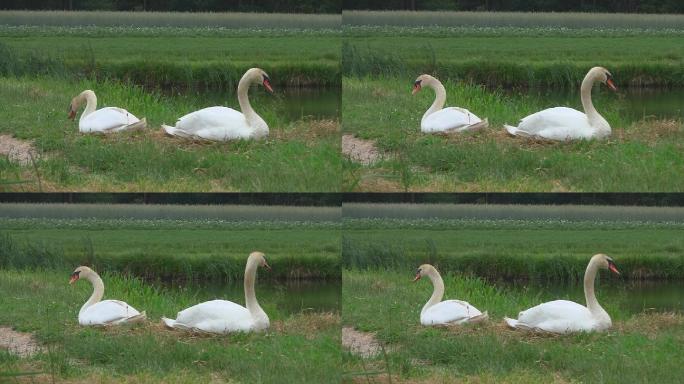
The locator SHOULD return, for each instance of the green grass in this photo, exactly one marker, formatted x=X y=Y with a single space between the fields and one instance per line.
x=169 y=250
x=540 y=59
x=571 y=20
x=170 y=58
x=641 y=156
x=638 y=348
x=297 y=347
x=299 y=155
x=515 y=249
x=229 y=20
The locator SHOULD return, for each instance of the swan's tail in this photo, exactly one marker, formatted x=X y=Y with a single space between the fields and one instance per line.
x=171 y=323
x=482 y=124
x=513 y=323
x=512 y=130
x=142 y=124
x=481 y=318
x=173 y=131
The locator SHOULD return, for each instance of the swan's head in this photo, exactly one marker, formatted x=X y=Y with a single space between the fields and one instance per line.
x=421 y=81
x=603 y=75
x=605 y=262
x=259 y=76
x=260 y=259
x=80 y=272
x=77 y=101
x=423 y=270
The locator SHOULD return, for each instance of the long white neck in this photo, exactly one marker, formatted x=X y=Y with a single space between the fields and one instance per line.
x=595 y=119
x=589 y=295
x=440 y=97
x=438 y=289
x=250 y=296
x=91 y=103
x=98 y=291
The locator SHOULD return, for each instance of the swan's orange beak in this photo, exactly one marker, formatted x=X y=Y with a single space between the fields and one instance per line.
x=72 y=113
x=417 y=277
x=267 y=85
x=613 y=268
x=611 y=85
x=416 y=88
x=74 y=277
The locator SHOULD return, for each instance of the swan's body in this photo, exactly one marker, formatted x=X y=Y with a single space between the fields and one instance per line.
x=563 y=316
x=222 y=316
x=438 y=119
x=105 y=120
x=438 y=312
x=107 y=312
x=562 y=123
x=222 y=123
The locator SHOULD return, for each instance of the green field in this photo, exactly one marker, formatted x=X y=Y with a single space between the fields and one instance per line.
x=639 y=156
x=496 y=65
x=475 y=257
x=299 y=155
x=301 y=346
x=163 y=67
x=162 y=266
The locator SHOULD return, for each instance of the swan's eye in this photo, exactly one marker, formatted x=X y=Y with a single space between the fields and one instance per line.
x=417 y=83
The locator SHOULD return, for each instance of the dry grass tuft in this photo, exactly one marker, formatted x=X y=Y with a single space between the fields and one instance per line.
x=650 y=131
x=307 y=324
x=307 y=130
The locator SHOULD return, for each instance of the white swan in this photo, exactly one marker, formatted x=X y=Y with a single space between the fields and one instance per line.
x=438 y=312
x=108 y=312
x=222 y=316
x=562 y=123
x=563 y=316
x=105 y=120
x=223 y=124
x=439 y=119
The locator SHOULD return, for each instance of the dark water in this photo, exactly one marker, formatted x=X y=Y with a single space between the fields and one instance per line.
x=632 y=297
x=633 y=103
x=285 y=104
x=288 y=297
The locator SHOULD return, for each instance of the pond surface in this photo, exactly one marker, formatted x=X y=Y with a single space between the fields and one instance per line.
x=632 y=297
x=634 y=103
x=289 y=297
x=288 y=104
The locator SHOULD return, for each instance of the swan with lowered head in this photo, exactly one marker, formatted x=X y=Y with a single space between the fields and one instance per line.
x=438 y=312
x=104 y=120
x=222 y=316
x=562 y=123
x=222 y=123
x=563 y=316
x=438 y=119
x=108 y=312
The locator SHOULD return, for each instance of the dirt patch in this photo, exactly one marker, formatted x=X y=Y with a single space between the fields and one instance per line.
x=18 y=343
x=360 y=343
x=359 y=150
x=16 y=150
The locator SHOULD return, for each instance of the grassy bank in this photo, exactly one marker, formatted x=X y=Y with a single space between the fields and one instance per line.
x=299 y=155
x=297 y=347
x=639 y=347
x=171 y=58
x=173 y=250
x=639 y=156
x=510 y=249
x=533 y=60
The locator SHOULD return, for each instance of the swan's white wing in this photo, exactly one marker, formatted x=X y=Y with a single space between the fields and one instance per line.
x=107 y=120
x=559 y=316
x=216 y=316
x=107 y=312
x=215 y=123
x=449 y=119
x=558 y=123
x=449 y=311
